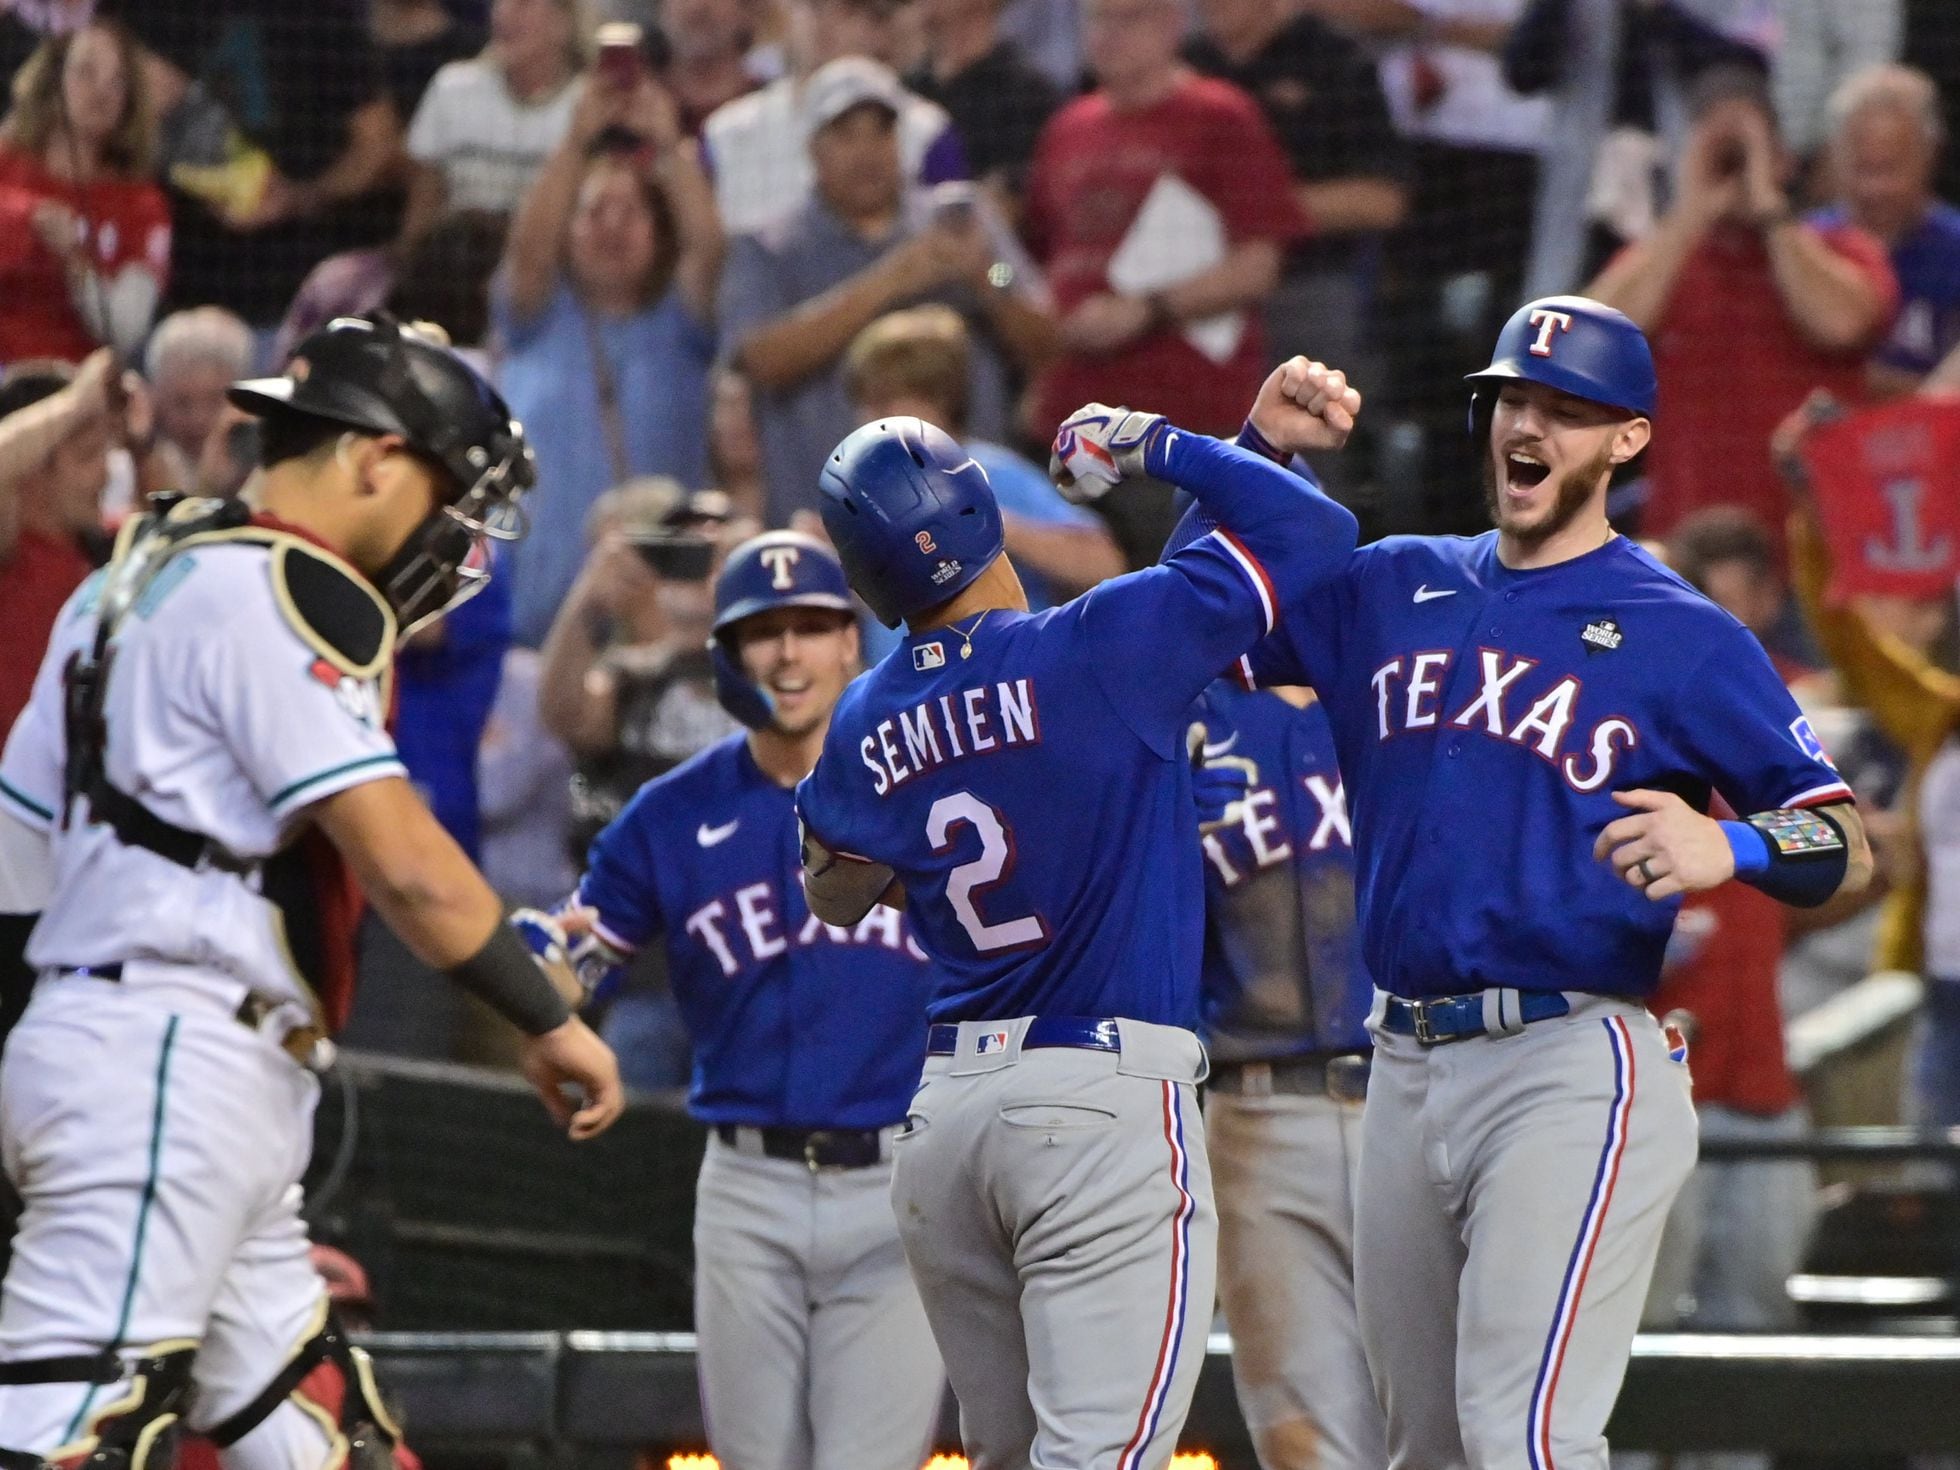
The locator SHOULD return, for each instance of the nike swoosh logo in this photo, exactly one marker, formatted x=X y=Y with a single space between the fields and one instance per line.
x=712 y=836
x=1213 y=752
x=1427 y=593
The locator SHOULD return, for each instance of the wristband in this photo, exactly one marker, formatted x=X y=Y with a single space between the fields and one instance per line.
x=1250 y=438
x=1798 y=856
x=1750 y=847
x=505 y=977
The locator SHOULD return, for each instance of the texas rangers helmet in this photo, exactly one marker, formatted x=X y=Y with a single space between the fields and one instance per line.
x=775 y=569
x=912 y=516
x=1576 y=345
x=377 y=377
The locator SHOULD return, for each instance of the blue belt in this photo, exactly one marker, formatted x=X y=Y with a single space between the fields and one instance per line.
x=1445 y=1018
x=1089 y=1033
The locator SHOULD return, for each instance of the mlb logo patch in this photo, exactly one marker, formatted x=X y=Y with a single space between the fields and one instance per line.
x=989 y=1041
x=1677 y=1043
x=929 y=656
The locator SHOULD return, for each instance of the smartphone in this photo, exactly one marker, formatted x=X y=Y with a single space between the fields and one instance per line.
x=675 y=556
x=953 y=205
x=621 y=60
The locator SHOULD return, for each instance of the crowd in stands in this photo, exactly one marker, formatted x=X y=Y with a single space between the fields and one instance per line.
x=696 y=242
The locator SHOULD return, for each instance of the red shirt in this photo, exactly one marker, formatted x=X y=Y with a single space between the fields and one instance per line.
x=34 y=582
x=1728 y=984
x=1732 y=364
x=1092 y=171
x=126 y=227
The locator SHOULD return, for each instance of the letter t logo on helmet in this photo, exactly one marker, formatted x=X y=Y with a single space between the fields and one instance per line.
x=781 y=561
x=1547 y=322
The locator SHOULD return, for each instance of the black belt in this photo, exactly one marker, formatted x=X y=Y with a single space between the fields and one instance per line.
x=818 y=1148
x=1343 y=1076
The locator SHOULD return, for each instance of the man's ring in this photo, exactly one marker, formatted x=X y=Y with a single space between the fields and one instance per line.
x=1646 y=873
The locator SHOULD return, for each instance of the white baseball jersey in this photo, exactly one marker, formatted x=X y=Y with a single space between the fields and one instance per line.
x=227 y=716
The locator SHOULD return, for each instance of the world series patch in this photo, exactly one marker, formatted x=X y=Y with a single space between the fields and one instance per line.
x=1797 y=834
x=1601 y=635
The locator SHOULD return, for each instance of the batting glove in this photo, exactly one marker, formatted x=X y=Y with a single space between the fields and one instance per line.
x=1219 y=783
x=1097 y=446
x=595 y=963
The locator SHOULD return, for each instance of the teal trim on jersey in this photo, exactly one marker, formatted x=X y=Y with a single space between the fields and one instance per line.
x=280 y=798
x=163 y=584
x=21 y=799
x=142 y=1220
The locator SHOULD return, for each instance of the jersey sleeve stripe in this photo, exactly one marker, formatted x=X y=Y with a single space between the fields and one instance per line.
x=336 y=778
x=1242 y=671
x=612 y=940
x=1255 y=573
x=1822 y=795
x=36 y=814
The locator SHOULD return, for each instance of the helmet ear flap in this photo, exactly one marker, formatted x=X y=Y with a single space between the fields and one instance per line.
x=735 y=691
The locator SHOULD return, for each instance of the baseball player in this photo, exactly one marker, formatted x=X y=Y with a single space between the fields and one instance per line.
x=1530 y=724
x=814 y=1350
x=1021 y=783
x=1285 y=1005
x=204 y=748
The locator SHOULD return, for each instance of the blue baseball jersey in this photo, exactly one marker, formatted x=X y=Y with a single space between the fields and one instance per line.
x=1027 y=777
x=1483 y=717
x=1282 y=968
x=795 y=1022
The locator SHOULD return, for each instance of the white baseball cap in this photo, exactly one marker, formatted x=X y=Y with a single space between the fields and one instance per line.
x=850 y=81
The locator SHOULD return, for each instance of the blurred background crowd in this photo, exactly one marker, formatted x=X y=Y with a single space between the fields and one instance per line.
x=697 y=241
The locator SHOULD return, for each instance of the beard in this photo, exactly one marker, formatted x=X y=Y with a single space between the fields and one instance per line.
x=1572 y=494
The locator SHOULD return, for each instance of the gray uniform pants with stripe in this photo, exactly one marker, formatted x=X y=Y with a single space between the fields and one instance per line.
x=814 y=1351
x=1056 y=1208
x=1511 y=1198
x=1284 y=1166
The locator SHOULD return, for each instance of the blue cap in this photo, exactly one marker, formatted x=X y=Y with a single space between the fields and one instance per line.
x=911 y=514
x=775 y=569
x=1577 y=345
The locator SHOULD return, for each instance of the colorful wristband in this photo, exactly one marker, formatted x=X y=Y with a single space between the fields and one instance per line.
x=1750 y=847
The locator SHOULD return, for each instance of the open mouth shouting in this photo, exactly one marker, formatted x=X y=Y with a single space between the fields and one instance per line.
x=1524 y=471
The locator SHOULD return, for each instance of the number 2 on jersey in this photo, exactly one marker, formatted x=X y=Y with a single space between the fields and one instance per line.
x=968 y=881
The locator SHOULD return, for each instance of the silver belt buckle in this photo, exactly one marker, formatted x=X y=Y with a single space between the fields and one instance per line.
x=1425 y=1033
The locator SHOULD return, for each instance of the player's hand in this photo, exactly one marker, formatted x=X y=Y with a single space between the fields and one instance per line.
x=1666 y=847
x=1097 y=446
x=1221 y=785
x=1305 y=405
x=573 y=1053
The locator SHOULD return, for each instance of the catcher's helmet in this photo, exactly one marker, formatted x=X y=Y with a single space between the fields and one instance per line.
x=775 y=569
x=911 y=514
x=1576 y=345
x=377 y=378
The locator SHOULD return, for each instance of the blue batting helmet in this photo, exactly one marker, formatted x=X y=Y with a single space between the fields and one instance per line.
x=775 y=569
x=911 y=514
x=1576 y=345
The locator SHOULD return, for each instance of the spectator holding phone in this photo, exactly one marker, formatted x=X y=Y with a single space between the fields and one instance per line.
x=84 y=233
x=797 y=292
x=486 y=126
x=604 y=305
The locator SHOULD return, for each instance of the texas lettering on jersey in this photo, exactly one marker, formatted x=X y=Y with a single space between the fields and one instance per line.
x=1258 y=840
x=1507 y=704
x=753 y=918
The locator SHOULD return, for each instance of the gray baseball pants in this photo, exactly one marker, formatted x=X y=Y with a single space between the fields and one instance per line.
x=1511 y=1197
x=1284 y=1167
x=813 y=1351
x=1055 y=1206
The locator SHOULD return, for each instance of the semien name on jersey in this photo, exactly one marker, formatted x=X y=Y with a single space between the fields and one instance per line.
x=978 y=721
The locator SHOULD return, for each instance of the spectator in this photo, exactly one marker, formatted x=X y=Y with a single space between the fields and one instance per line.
x=1917 y=705
x=486 y=126
x=87 y=235
x=710 y=41
x=604 y=305
x=754 y=145
x=735 y=445
x=413 y=40
x=524 y=778
x=1049 y=34
x=998 y=101
x=625 y=680
x=1321 y=93
x=1197 y=151
x=1748 y=308
x=797 y=293
x=192 y=358
x=1885 y=144
x=914 y=364
x=24 y=27
x=55 y=434
x=1733 y=558
x=1822 y=44
x=280 y=145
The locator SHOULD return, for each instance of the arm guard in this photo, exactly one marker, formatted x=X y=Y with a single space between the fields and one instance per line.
x=1797 y=857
